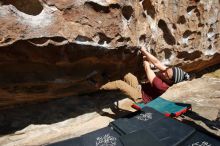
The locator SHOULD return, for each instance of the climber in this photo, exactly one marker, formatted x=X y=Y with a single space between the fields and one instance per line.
x=158 y=82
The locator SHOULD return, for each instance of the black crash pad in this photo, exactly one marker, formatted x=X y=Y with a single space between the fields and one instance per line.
x=137 y=121
x=140 y=138
x=167 y=130
x=200 y=139
x=170 y=132
x=103 y=137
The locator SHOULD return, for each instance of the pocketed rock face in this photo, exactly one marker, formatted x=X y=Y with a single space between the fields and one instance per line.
x=50 y=47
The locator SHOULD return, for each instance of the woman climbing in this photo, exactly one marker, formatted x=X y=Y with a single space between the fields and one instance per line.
x=158 y=82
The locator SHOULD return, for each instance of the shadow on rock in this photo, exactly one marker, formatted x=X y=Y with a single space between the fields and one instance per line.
x=58 y=110
x=117 y=112
x=191 y=117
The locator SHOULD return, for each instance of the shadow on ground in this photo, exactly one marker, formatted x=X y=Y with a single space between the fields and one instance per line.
x=191 y=117
x=58 y=110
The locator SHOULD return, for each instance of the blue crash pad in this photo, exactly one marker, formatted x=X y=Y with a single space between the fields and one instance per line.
x=169 y=108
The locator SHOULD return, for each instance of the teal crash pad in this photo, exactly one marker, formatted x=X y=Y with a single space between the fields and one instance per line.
x=169 y=108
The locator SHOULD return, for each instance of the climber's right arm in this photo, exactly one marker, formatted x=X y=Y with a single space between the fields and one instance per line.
x=153 y=59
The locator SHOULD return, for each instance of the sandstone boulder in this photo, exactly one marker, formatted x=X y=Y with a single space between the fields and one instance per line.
x=49 y=48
